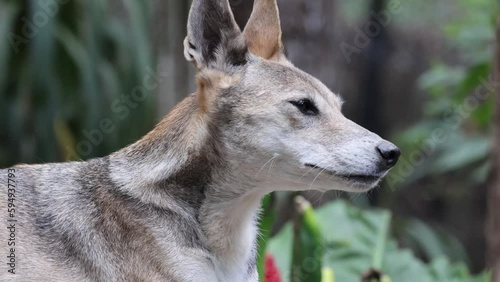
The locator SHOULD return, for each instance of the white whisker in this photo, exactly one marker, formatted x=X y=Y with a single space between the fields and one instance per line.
x=271 y=159
x=312 y=183
x=270 y=166
x=311 y=169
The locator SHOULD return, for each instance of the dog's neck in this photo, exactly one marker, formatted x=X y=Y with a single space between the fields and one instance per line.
x=179 y=166
x=230 y=228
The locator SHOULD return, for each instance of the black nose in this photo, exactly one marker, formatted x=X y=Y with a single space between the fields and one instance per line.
x=389 y=152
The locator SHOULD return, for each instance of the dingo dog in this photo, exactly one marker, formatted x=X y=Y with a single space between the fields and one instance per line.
x=181 y=203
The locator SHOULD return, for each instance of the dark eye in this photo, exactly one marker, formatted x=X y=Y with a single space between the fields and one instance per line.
x=306 y=107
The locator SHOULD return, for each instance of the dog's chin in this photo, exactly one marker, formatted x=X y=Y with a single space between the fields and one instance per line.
x=360 y=183
x=351 y=182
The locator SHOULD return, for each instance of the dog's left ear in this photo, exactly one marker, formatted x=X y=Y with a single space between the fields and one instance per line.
x=214 y=39
x=263 y=30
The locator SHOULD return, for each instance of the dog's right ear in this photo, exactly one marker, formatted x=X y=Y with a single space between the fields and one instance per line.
x=214 y=39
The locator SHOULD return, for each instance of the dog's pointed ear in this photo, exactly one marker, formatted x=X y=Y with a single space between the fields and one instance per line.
x=214 y=39
x=263 y=30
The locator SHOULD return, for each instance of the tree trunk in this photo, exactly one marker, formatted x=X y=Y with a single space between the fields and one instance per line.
x=493 y=232
x=372 y=79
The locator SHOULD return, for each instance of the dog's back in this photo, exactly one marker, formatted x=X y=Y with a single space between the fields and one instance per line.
x=35 y=201
x=68 y=222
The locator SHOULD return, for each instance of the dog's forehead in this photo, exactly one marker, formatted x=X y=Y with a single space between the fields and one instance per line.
x=269 y=76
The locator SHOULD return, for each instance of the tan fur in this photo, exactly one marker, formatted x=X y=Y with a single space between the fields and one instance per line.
x=210 y=83
x=263 y=30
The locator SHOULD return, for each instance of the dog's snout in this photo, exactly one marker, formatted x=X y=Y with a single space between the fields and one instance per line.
x=389 y=152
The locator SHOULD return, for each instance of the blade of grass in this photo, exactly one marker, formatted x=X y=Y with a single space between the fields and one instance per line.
x=378 y=254
x=265 y=225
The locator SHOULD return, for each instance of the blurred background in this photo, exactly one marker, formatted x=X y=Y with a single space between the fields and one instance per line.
x=81 y=79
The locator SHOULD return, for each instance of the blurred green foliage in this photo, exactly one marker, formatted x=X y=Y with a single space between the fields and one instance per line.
x=69 y=64
x=356 y=242
x=453 y=135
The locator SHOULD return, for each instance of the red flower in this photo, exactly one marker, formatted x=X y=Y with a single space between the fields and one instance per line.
x=272 y=272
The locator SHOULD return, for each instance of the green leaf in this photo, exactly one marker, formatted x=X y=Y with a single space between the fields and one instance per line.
x=9 y=11
x=308 y=247
x=327 y=275
x=460 y=153
x=440 y=78
x=265 y=225
x=473 y=78
x=433 y=243
x=378 y=254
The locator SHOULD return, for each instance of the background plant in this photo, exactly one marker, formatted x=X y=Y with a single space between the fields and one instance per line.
x=355 y=243
x=65 y=73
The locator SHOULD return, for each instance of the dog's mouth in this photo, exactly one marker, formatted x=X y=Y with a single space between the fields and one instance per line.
x=364 y=179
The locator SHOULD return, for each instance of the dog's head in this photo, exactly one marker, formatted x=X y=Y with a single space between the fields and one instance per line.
x=279 y=123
